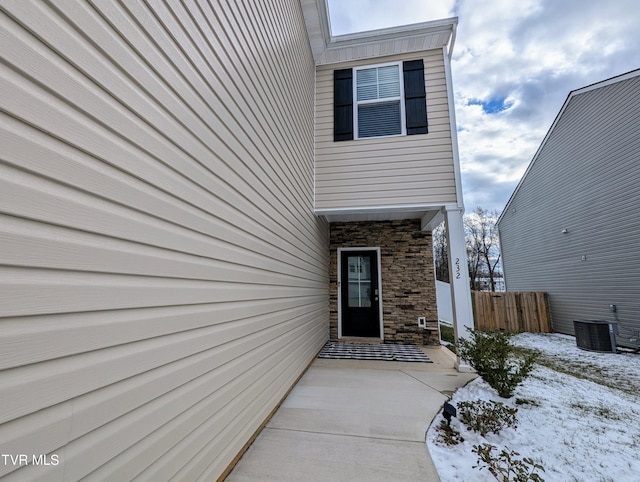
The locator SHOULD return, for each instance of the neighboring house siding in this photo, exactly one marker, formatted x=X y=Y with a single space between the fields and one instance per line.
x=386 y=171
x=164 y=279
x=586 y=179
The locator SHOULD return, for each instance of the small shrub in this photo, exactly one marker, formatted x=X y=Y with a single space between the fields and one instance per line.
x=493 y=357
x=505 y=467
x=486 y=417
x=527 y=401
x=447 y=435
x=601 y=411
x=606 y=412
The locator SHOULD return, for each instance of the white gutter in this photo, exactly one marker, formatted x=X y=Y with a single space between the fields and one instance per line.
x=452 y=42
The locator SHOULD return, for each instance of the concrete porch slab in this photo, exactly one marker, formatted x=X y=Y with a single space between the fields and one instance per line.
x=354 y=420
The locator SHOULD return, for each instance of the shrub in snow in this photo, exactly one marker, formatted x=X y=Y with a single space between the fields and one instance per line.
x=493 y=356
x=527 y=401
x=485 y=417
x=447 y=434
x=505 y=467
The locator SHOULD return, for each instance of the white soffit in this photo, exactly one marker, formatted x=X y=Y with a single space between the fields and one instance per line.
x=426 y=213
x=328 y=49
x=372 y=216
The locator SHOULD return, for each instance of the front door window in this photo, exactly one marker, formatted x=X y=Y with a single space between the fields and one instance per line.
x=359 y=281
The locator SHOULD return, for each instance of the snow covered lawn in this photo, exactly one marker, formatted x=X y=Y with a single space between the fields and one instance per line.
x=580 y=419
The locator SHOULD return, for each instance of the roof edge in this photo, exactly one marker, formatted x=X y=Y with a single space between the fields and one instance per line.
x=401 y=31
x=322 y=41
x=582 y=90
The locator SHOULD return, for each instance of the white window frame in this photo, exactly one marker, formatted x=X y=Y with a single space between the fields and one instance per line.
x=356 y=104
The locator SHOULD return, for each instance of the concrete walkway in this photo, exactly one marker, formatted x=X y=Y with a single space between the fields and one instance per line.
x=351 y=420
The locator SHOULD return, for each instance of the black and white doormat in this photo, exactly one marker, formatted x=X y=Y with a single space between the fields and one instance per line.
x=380 y=351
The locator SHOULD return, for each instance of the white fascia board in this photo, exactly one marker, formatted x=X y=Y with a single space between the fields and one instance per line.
x=388 y=42
x=376 y=209
x=389 y=33
x=316 y=19
x=322 y=41
x=453 y=207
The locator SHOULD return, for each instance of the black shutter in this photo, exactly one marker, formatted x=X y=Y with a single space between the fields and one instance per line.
x=342 y=105
x=415 y=97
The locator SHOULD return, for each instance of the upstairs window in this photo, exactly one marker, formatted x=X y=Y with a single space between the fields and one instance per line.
x=379 y=110
x=377 y=101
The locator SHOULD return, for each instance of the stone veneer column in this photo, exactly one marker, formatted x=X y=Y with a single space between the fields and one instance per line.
x=408 y=280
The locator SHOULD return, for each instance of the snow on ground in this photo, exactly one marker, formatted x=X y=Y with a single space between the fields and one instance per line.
x=580 y=430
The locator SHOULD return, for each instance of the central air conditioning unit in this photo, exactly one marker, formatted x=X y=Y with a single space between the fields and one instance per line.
x=596 y=335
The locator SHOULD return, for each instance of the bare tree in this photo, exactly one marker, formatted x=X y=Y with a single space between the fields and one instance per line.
x=483 y=250
x=474 y=252
x=441 y=253
x=483 y=247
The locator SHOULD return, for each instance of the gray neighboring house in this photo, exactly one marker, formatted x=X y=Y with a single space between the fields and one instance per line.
x=572 y=226
x=194 y=197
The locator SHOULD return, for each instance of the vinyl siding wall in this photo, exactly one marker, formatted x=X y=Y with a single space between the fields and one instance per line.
x=586 y=179
x=389 y=171
x=163 y=278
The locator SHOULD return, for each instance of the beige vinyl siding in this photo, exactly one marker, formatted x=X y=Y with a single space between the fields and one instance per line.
x=389 y=171
x=163 y=279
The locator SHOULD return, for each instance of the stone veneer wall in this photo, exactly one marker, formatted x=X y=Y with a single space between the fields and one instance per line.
x=408 y=281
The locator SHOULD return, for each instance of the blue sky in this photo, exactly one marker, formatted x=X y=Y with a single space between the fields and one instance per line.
x=513 y=66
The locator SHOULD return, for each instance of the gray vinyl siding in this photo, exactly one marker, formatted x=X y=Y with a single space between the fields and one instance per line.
x=163 y=279
x=388 y=171
x=586 y=179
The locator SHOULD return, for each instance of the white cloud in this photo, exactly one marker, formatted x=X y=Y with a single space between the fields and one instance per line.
x=526 y=57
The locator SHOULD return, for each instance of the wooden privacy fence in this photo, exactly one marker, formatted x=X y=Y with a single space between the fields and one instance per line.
x=511 y=311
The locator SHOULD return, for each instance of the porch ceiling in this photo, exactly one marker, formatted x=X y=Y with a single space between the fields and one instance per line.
x=430 y=217
x=395 y=216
